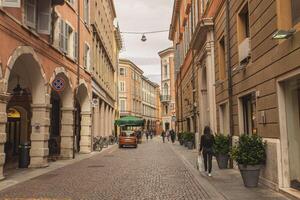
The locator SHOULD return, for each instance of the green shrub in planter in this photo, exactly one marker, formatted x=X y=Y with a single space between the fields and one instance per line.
x=190 y=140
x=221 y=150
x=250 y=154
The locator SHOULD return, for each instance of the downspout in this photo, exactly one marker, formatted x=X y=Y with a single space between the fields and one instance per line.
x=229 y=74
x=78 y=78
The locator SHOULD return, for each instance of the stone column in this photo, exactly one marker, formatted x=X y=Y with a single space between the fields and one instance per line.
x=40 y=135
x=4 y=98
x=86 y=131
x=106 y=121
x=67 y=133
x=113 y=121
x=110 y=121
x=96 y=120
x=102 y=119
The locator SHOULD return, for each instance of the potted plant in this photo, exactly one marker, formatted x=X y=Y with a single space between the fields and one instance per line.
x=190 y=137
x=180 y=138
x=221 y=150
x=250 y=154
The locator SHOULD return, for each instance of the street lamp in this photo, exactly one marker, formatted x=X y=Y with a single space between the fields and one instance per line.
x=283 y=34
x=144 y=39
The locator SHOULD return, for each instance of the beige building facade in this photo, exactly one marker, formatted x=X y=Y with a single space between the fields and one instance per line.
x=106 y=46
x=167 y=96
x=137 y=94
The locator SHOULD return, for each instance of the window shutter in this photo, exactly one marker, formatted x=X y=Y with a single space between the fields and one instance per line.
x=11 y=3
x=75 y=45
x=44 y=17
x=66 y=38
x=62 y=35
x=30 y=13
x=85 y=56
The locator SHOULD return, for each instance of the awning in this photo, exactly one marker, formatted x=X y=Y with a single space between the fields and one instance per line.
x=129 y=121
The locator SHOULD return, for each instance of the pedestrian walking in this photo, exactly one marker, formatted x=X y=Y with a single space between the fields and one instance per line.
x=168 y=135
x=151 y=134
x=173 y=136
x=163 y=135
x=147 y=135
x=206 y=147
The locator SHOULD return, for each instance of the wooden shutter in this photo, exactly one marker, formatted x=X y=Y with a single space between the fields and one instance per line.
x=66 y=37
x=85 y=55
x=11 y=3
x=75 y=45
x=44 y=17
x=62 y=35
x=30 y=13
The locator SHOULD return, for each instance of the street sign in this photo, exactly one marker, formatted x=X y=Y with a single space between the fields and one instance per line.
x=174 y=118
x=58 y=84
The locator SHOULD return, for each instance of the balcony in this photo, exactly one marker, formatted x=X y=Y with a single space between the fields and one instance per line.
x=165 y=98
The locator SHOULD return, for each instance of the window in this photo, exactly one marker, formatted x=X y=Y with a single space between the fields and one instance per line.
x=295 y=11
x=11 y=3
x=122 y=105
x=166 y=89
x=243 y=23
x=71 y=1
x=122 y=86
x=68 y=41
x=224 y=118
x=86 y=11
x=75 y=48
x=222 y=71
x=248 y=104
x=166 y=72
x=38 y=15
x=86 y=57
x=122 y=71
x=166 y=109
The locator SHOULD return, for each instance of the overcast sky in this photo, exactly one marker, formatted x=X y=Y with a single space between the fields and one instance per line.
x=145 y=15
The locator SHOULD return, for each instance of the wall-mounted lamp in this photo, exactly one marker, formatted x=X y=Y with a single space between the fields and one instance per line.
x=283 y=34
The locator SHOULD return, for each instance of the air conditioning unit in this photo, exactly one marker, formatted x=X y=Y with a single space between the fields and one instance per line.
x=244 y=51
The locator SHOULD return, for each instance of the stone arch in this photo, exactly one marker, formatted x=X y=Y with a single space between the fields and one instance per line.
x=61 y=137
x=27 y=53
x=24 y=72
x=66 y=95
x=83 y=98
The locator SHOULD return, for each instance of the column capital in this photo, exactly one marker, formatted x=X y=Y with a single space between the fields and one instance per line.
x=5 y=97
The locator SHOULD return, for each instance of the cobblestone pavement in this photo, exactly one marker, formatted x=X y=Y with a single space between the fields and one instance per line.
x=152 y=171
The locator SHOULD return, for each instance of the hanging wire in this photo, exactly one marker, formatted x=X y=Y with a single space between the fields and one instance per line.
x=144 y=32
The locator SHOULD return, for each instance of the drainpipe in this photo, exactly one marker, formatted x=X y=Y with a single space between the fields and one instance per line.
x=78 y=78
x=229 y=74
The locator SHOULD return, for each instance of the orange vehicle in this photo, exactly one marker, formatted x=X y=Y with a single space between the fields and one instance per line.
x=128 y=138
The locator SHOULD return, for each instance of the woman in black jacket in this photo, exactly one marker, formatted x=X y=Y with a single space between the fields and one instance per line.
x=206 y=147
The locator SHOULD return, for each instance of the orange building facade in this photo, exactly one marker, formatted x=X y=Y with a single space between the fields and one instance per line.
x=46 y=65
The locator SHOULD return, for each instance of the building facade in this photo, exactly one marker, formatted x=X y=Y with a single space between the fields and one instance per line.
x=46 y=84
x=167 y=96
x=106 y=45
x=264 y=82
x=137 y=94
x=245 y=55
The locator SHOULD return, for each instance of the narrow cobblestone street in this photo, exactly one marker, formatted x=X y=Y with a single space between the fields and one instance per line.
x=153 y=171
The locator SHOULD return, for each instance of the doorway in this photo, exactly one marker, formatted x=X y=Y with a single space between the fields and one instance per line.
x=292 y=109
x=77 y=126
x=55 y=128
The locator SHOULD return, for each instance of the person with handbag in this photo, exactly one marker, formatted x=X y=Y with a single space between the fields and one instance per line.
x=206 y=147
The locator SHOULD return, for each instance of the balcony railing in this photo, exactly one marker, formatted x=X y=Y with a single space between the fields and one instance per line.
x=164 y=98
